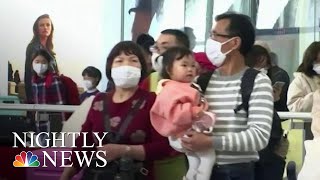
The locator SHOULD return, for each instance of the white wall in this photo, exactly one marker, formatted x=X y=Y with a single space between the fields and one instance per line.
x=85 y=31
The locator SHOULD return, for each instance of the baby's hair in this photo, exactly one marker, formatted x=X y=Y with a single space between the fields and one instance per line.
x=171 y=55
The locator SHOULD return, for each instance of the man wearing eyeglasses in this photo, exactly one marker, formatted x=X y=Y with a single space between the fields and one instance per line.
x=237 y=138
x=167 y=39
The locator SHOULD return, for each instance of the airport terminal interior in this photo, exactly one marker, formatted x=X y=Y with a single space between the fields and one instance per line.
x=75 y=40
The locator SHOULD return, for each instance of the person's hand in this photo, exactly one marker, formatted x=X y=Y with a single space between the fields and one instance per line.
x=113 y=151
x=276 y=93
x=196 y=141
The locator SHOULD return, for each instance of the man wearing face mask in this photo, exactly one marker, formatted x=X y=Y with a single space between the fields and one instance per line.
x=238 y=135
x=167 y=39
x=91 y=78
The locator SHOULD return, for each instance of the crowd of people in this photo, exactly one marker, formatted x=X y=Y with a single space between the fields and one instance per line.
x=181 y=114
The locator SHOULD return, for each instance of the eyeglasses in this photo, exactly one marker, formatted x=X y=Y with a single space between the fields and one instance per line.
x=214 y=35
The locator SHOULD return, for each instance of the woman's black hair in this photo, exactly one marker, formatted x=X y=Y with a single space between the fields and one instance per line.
x=309 y=57
x=42 y=52
x=172 y=54
x=145 y=41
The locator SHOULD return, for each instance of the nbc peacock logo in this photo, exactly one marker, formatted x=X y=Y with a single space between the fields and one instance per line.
x=26 y=160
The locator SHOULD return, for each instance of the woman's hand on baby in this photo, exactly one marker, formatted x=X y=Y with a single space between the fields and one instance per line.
x=113 y=151
x=196 y=141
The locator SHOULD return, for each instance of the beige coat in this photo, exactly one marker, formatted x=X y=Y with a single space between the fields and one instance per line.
x=300 y=92
x=312 y=158
x=315 y=126
x=310 y=167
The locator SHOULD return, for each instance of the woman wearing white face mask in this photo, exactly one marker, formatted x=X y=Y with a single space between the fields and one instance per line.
x=259 y=58
x=91 y=78
x=126 y=68
x=305 y=83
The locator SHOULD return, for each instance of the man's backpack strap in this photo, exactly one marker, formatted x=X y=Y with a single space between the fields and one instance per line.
x=203 y=80
x=246 y=87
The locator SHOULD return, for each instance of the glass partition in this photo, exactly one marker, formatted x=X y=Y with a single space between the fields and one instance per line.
x=288 y=30
x=195 y=19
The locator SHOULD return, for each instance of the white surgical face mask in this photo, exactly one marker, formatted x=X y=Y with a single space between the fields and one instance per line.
x=87 y=84
x=156 y=62
x=39 y=68
x=213 y=51
x=126 y=76
x=316 y=68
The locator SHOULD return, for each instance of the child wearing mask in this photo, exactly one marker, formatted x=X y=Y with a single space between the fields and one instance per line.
x=47 y=88
x=180 y=107
x=46 y=84
x=91 y=78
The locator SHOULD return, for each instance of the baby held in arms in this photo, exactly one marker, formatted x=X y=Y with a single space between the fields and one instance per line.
x=180 y=107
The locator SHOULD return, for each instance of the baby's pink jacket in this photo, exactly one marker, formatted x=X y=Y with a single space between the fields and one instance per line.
x=174 y=108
